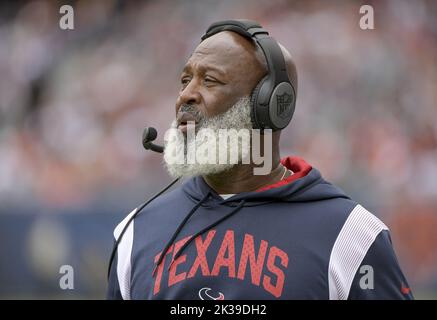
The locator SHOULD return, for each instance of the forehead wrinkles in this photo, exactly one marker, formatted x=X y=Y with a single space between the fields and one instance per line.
x=226 y=49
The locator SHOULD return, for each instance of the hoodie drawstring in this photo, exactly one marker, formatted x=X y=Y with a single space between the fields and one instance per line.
x=212 y=225
x=181 y=225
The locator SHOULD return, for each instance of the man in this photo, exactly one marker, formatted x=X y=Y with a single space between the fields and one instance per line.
x=229 y=233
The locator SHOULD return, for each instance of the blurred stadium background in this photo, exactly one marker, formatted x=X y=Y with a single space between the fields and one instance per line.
x=73 y=105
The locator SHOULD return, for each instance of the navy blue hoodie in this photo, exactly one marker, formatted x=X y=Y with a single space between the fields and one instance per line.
x=301 y=238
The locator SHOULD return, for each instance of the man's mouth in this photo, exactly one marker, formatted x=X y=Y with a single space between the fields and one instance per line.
x=184 y=120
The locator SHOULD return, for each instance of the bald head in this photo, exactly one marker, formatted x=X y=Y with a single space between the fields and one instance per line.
x=240 y=56
x=222 y=69
x=247 y=54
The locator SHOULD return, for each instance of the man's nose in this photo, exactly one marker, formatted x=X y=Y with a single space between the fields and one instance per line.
x=190 y=94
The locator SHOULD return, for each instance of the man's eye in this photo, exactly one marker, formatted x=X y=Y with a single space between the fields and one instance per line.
x=185 y=81
x=210 y=80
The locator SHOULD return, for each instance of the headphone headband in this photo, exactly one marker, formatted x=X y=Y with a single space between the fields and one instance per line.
x=246 y=28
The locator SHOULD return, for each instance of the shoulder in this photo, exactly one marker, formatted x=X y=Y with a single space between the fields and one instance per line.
x=167 y=199
x=121 y=225
x=363 y=223
x=356 y=236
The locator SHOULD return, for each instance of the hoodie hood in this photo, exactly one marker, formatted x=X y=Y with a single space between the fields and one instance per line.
x=305 y=184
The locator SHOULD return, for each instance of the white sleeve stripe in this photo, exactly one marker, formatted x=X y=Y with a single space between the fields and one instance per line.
x=121 y=225
x=354 y=240
x=124 y=251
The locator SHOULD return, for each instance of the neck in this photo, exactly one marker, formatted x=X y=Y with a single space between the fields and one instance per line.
x=241 y=178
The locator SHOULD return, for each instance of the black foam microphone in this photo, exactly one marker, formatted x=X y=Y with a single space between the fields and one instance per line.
x=149 y=135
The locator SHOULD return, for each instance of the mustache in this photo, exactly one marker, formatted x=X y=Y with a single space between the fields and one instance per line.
x=189 y=108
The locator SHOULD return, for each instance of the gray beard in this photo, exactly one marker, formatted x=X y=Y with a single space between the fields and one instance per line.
x=237 y=117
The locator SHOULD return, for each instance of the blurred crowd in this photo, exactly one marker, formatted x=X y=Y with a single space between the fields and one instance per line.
x=73 y=103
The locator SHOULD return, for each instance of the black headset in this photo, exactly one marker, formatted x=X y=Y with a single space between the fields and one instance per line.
x=274 y=98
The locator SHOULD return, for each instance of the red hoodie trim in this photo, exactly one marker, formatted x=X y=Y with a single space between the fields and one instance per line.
x=296 y=164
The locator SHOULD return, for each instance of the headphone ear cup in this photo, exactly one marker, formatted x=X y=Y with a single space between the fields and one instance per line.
x=254 y=105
